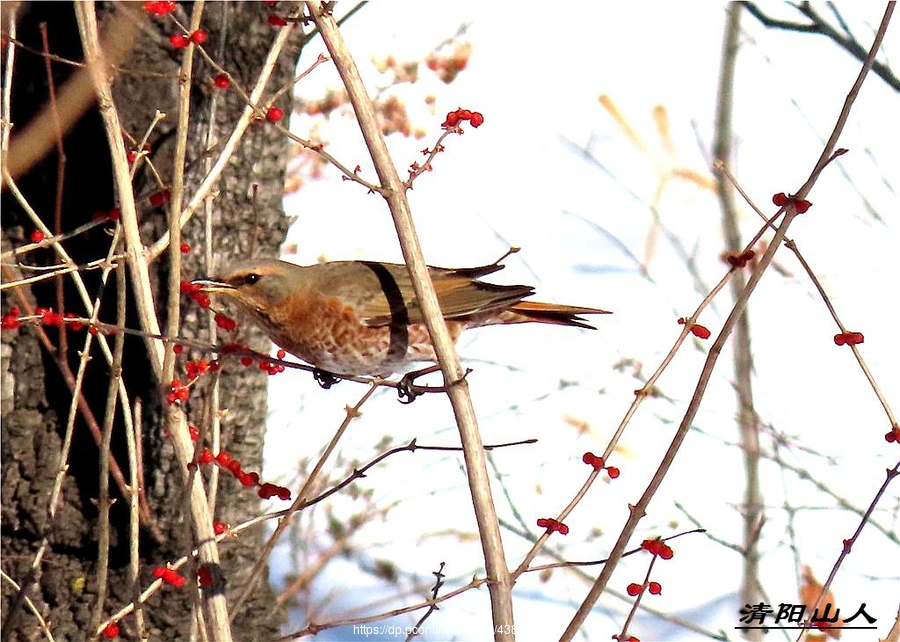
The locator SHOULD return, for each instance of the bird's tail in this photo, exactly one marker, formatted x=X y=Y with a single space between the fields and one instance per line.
x=536 y=312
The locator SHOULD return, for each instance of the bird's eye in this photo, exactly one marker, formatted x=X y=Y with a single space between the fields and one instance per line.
x=251 y=278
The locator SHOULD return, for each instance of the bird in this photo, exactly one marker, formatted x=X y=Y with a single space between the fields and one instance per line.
x=361 y=318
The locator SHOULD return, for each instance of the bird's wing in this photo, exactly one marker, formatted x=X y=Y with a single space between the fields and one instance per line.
x=459 y=293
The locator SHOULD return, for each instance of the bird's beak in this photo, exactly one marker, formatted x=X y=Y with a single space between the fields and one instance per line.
x=211 y=285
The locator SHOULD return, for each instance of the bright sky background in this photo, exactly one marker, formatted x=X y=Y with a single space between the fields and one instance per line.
x=536 y=72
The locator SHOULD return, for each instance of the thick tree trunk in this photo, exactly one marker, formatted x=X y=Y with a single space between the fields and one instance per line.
x=36 y=398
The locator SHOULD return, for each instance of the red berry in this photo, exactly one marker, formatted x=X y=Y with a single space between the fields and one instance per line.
x=266 y=490
x=226 y=323
x=72 y=321
x=612 y=471
x=179 y=40
x=655 y=588
x=111 y=630
x=700 y=331
x=159 y=198
x=634 y=589
x=593 y=460
x=37 y=236
x=160 y=9
x=185 y=248
x=222 y=81
x=277 y=21
x=204 y=576
x=198 y=37
x=10 y=320
x=274 y=114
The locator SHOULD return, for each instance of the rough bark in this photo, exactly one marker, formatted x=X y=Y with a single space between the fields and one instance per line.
x=36 y=400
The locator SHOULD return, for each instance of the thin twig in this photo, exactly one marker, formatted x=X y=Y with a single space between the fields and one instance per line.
x=748 y=425
x=820 y=26
x=103 y=500
x=136 y=483
x=45 y=628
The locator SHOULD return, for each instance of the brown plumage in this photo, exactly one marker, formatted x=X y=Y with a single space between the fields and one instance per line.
x=362 y=318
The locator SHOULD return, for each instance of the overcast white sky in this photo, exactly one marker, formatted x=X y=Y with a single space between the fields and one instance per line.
x=535 y=73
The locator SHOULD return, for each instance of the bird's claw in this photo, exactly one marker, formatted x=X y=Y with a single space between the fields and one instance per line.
x=407 y=390
x=325 y=379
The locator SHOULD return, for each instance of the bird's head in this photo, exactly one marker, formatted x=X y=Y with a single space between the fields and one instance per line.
x=257 y=285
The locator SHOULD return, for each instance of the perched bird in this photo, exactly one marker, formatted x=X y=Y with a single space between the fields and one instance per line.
x=362 y=317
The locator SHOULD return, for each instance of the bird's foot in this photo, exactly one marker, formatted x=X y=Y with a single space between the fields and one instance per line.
x=407 y=390
x=325 y=379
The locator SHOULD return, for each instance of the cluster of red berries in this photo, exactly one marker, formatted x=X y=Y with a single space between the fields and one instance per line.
x=247 y=479
x=160 y=8
x=781 y=199
x=46 y=316
x=270 y=367
x=10 y=320
x=454 y=118
x=658 y=547
x=848 y=338
x=740 y=260
x=225 y=322
x=178 y=392
x=109 y=215
x=181 y=40
x=597 y=462
x=198 y=367
x=169 y=576
x=655 y=588
x=193 y=291
x=699 y=331
x=553 y=525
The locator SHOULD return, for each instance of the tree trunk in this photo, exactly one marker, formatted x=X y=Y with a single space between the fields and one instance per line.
x=35 y=395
